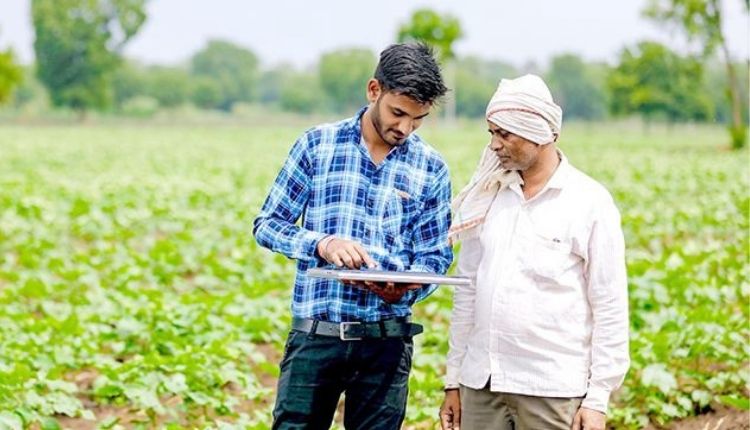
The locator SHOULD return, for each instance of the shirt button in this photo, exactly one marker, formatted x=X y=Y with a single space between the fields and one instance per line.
x=367 y=233
x=369 y=203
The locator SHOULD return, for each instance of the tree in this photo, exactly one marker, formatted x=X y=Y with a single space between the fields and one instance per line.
x=475 y=91
x=170 y=86
x=232 y=67
x=654 y=81
x=343 y=76
x=441 y=32
x=716 y=77
x=301 y=92
x=78 y=45
x=272 y=80
x=575 y=88
x=428 y=26
x=701 y=20
x=30 y=94
x=206 y=93
x=10 y=75
x=129 y=81
x=478 y=80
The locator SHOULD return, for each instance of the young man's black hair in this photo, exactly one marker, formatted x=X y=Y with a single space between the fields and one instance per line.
x=410 y=69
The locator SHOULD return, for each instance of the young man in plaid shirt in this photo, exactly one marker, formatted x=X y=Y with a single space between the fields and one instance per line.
x=370 y=194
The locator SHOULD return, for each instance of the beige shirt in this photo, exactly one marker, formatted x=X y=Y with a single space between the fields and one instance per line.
x=547 y=313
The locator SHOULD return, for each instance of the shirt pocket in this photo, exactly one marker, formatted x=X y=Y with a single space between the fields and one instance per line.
x=401 y=213
x=545 y=259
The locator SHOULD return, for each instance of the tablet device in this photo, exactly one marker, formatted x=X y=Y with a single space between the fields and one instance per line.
x=387 y=276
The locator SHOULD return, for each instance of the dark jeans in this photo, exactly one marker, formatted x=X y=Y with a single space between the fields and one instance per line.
x=315 y=370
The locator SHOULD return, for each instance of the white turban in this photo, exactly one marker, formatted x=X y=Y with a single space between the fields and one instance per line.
x=524 y=107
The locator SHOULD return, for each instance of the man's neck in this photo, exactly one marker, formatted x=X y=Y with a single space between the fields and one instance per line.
x=537 y=176
x=376 y=146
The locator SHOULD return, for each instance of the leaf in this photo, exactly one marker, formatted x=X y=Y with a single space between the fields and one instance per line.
x=144 y=398
x=108 y=423
x=735 y=401
x=10 y=421
x=175 y=383
x=703 y=398
x=50 y=424
x=671 y=411
x=685 y=403
x=657 y=375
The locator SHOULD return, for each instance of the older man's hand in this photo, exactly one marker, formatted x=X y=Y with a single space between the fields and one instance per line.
x=450 y=411
x=588 y=419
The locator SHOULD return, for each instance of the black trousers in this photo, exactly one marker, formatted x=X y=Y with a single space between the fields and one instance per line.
x=372 y=373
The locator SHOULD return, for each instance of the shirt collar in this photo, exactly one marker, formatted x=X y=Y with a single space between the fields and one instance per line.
x=557 y=181
x=560 y=176
x=354 y=125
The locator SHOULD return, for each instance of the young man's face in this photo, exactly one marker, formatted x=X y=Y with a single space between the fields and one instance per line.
x=394 y=116
x=514 y=152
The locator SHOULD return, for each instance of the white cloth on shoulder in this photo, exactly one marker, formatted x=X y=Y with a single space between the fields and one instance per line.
x=471 y=205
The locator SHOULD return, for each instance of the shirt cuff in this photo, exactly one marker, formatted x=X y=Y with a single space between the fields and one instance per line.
x=596 y=399
x=451 y=377
x=309 y=244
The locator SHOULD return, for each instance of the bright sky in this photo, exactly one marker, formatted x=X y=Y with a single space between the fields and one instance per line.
x=299 y=31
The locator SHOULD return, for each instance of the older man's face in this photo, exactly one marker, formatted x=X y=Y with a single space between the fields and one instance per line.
x=514 y=152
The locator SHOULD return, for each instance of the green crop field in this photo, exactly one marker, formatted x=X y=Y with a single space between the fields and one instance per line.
x=132 y=293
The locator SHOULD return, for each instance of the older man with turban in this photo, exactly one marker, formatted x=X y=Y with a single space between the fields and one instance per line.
x=539 y=340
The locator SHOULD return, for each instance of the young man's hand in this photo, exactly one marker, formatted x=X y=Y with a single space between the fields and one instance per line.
x=450 y=411
x=391 y=292
x=388 y=291
x=588 y=419
x=344 y=253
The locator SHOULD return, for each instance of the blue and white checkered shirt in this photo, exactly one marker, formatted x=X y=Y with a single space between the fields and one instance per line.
x=398 y=210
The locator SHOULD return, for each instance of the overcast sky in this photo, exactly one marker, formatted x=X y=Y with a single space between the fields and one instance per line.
x=298 y=32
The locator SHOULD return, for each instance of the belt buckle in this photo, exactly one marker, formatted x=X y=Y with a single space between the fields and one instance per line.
x=342 y=330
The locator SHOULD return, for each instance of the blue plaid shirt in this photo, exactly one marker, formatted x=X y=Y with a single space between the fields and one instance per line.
x=398 y=210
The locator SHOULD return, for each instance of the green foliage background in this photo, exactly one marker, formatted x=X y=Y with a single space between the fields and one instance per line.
x=10 y=75
x=133 y=294
x=77 y=44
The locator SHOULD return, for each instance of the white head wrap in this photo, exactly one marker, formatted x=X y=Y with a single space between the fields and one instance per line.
x=524 y=107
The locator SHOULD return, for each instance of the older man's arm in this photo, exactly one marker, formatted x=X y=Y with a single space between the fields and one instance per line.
x=462 y=320
x=608 y=296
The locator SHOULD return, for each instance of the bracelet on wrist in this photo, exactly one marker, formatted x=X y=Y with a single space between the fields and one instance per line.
x=324 y=242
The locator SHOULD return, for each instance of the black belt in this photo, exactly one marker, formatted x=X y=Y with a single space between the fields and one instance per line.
x=355 y=330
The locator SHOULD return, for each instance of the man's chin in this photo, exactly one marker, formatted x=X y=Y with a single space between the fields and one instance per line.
x=397 y=142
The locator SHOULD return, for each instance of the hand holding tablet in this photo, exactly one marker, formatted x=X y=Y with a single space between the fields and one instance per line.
x=395 y=277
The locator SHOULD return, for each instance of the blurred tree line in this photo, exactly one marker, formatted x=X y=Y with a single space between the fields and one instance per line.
x=80 y=66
